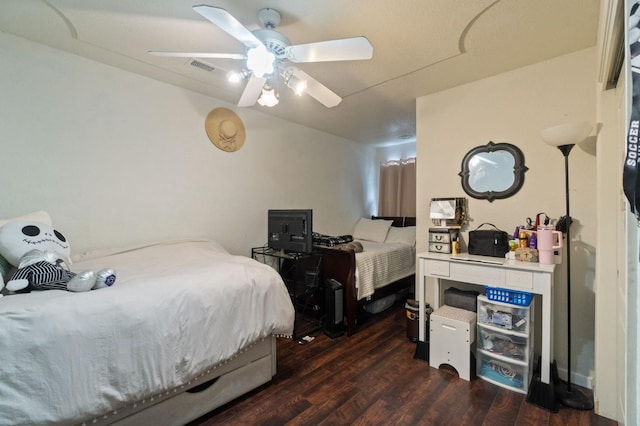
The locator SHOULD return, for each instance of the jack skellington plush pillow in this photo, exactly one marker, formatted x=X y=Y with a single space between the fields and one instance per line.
x=41 y=255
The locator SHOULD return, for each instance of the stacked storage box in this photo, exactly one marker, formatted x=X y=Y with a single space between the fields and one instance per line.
x=452 y=335
x=440 y=239
x=505 y=343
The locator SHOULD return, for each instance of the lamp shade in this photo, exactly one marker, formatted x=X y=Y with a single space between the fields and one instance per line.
x=268 y=97
x=566 y=134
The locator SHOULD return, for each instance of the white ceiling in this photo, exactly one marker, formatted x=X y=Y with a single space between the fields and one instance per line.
x=420 y=47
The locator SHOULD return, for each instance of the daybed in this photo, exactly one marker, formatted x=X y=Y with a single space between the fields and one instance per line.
x=385 y=266
x=186 y=328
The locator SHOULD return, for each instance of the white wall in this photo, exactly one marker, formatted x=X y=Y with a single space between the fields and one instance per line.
x=513 y=107
x=117 y=158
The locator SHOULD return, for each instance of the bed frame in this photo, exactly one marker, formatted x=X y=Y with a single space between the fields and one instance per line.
x=218 y=385
x=341 y=266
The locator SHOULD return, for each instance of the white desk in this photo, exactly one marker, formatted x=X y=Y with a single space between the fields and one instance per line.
x=512 y=274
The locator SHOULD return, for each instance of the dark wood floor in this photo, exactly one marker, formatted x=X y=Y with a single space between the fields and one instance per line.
x=372 y=378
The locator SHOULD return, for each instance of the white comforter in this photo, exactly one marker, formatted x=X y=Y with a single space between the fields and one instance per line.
x=380 y=264
x=176 y=309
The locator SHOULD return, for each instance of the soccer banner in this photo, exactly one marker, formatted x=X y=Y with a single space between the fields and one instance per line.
x=630 y=183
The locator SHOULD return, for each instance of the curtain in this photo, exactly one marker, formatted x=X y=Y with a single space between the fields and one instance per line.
x=397 y=195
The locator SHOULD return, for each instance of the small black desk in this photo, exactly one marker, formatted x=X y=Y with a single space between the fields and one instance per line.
x=301 y=273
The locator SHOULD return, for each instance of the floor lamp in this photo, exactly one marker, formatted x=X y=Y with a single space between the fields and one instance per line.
x=564 y=137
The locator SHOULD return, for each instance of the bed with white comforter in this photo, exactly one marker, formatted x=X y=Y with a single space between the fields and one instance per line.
x=178 y=310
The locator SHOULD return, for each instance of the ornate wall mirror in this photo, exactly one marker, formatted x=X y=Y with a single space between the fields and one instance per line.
x=493 y=171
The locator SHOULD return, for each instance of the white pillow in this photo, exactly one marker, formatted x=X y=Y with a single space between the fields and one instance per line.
x=406 y=235
x=372 y=230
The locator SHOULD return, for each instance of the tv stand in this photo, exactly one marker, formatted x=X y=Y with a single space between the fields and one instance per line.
x=301 y=273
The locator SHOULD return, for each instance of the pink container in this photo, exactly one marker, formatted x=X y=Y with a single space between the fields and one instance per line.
x=548 y=241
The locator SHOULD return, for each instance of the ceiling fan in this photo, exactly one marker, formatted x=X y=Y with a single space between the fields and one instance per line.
x=268 y=55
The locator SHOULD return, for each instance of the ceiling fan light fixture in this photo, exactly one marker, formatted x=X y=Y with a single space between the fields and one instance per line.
x=300 y=87
x=297 y=85
x=235 y=76
x=267 y=52
x=260 y=61
x=268 y=97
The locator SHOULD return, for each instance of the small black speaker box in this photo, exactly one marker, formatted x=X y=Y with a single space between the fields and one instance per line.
x=334 y=296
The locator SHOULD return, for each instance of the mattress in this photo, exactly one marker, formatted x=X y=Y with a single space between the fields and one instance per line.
x=176 y=309
x=380 y=264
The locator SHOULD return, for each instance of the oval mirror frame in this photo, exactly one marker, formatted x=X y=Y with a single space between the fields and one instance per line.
x=493 y=193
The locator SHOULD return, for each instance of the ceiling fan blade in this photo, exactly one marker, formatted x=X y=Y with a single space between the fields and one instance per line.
x=346 y=49
x=229 y=24
x=197 y=55
x=317 y=90
x=252 y=91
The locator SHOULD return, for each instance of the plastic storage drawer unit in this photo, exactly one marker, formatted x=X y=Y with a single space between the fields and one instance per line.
x=505 y=343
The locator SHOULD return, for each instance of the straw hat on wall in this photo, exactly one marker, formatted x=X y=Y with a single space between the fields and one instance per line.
x=225 y=129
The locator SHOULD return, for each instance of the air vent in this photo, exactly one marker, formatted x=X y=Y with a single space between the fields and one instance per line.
x=199 y=64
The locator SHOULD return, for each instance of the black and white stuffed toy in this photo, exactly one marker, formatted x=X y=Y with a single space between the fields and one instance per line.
x=41 y=255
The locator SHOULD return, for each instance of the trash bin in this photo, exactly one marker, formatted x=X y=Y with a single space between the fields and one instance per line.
x=413 y=320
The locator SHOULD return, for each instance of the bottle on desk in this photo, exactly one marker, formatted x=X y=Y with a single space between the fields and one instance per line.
x=456 y=247
x=523 y=239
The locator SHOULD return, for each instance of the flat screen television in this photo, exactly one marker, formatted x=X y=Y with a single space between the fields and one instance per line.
x=290 y=231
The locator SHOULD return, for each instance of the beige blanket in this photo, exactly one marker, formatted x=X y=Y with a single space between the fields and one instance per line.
x=381 y=264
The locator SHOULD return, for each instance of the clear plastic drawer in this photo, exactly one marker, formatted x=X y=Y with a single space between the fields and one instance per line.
x=511 y=345
x=503 y=372
x=505 y=316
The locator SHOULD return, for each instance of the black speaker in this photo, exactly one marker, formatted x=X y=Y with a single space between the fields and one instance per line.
x=334 y=296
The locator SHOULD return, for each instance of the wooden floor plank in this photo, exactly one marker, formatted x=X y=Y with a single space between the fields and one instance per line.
x=481 y=397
